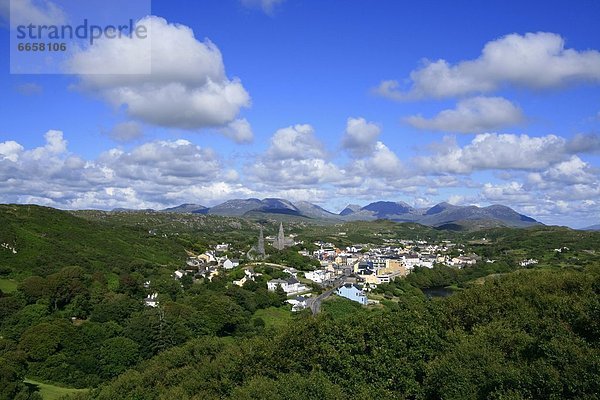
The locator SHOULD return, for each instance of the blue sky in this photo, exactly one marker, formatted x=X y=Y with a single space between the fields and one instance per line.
x=326 y=101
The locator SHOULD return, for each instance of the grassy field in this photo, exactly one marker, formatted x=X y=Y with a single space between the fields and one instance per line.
x=51 y=392
x=274 y=317
x=8 y=285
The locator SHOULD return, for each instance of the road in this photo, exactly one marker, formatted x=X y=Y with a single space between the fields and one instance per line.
x=315 y=304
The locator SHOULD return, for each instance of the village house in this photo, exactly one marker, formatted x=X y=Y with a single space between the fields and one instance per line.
x=290 y=285
x=526 y=263
x=318 y=276
x=298 y=303
x=352 y=292
x=222 y=247
x=249 y=275
x=151 y=300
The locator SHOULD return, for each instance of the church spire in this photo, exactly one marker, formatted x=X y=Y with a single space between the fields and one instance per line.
x=261 y=243
x=280 y=241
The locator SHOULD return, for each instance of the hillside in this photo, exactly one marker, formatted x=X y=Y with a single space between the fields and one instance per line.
x=47 y=239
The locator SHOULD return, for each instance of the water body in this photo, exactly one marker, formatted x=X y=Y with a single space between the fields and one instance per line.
x=437 y=292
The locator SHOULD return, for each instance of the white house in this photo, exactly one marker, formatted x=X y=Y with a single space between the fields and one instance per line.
x=298 y=303
x=525 y=263
x=290 y=285
x=222 y=247
x=228 y=264
x=151 y=300
x=317 y=276
x=249 y=275
x=179 y=274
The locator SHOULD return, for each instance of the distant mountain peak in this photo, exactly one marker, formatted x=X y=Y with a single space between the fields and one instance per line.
x=187 y=208
x=438 y=208
x=350 y=209
x=383 y=208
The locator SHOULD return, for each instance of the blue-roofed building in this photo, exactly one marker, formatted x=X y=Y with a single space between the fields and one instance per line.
x=352 y=292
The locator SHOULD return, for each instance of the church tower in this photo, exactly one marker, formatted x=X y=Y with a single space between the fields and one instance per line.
x=261 y=243
x=280 y=241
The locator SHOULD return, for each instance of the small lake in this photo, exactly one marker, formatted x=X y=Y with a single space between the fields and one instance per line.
x=437 y=292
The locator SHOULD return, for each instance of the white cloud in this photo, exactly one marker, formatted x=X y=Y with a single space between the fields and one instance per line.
x=295 y=159
x=295 y=173
x=267 y=6
x=510 y=193
x=360 y=136
x=295 y=142
x=534 y=60
x=382 y=163
x=473 y=115
x=10 y=150
x=126 y=132
x=25 y=12
x=187 y=87
x=493 y=151
x=153 y=174
x=239 y=130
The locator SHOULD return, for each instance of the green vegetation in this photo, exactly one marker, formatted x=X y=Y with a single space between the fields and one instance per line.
x=46 y=240
x=339 y=307
x=72 y=313
x=274 y=317
x=533 y=334
x=7 y=285
x=51 y=392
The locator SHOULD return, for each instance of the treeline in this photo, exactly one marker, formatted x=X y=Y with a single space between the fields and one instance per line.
x=72 y=329
x=528 y=335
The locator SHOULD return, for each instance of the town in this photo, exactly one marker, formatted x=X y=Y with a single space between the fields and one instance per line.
x=351 y=272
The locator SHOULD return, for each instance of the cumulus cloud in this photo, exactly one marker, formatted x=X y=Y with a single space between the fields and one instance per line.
x=473 y=115
x=153 y=174
x=381 y=163
x=496 y=151
x=295 y=158
x=584 y=143
x=295 y=142
x=25 y=12
x=186 y=88
x=509 y=193
x=360 y=136
x=239 y=130
x=126 y=132
x=534 y=60
x=267 y=6
x=10 y=150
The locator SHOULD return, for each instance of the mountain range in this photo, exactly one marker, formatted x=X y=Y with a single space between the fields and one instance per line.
x=592 y=228
x=443 y=215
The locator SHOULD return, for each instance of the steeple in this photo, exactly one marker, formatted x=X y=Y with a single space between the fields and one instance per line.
x=280 y=241
x=261 y=243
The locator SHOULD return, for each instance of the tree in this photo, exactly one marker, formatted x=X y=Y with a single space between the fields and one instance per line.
x=41 y=341
x=33 y=288
x=65 y=285
x=118 y=354
x=281 y=295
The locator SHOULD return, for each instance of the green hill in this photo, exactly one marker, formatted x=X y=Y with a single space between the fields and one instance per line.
x=45 y=240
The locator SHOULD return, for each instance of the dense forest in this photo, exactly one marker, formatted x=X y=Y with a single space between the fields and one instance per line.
x=75 y=316
x=529 y=335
